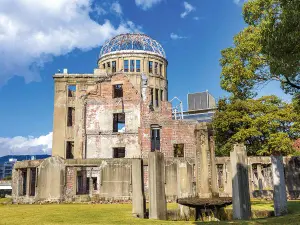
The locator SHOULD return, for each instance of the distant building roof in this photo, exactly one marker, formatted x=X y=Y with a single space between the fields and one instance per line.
x=201 y=100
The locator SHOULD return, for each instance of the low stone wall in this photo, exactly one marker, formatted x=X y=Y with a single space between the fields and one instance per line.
x=109 y=180
x=260 y=177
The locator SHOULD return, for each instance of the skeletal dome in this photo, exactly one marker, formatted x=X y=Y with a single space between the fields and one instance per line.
x=135 y=43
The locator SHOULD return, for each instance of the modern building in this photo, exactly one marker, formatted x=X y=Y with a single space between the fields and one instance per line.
x=201 y=107
x=6 y=168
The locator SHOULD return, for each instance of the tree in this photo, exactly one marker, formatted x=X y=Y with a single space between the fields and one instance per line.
x=265 y=125
x=267 y=49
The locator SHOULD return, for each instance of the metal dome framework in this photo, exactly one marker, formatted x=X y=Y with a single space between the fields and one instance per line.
x=132 y=42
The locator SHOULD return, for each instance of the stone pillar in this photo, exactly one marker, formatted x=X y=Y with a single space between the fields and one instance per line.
x=138 y=196
x=185 y=188
x=214 y=175
x=157 y=196
x=250 y=173
x=28 y=181
x=240 y=183
x=91 y=187
x=279 y=194
x=203 y=162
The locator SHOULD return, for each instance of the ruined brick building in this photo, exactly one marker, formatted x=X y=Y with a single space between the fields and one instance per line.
x=105 y=120
x=122 y=109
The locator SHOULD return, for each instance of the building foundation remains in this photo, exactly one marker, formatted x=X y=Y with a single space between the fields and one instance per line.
x=279 y=194
x=157 y=196
x=240 y=184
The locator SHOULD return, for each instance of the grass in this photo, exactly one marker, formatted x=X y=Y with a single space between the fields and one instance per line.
x=115 y=214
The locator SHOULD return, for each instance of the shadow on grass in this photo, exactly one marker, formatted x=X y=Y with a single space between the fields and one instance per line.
x=293 y=217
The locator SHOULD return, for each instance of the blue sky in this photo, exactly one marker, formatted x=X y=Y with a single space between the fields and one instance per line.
x=40 y=37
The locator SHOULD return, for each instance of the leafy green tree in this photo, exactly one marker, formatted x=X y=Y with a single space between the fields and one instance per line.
x=267 y=49
x=265 y=125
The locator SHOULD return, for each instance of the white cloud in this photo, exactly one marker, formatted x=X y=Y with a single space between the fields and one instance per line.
x=26 y=145
x=239 y=2
x=116 y=8
x=99 y=10
x=187 y=9
x=196 y=18
x=33 y=31
x=146 y=4
x=176 y=36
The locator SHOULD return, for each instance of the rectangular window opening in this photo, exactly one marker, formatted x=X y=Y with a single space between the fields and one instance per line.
x=150 y=67
x=131 y=65
x=103 y=65
x=70 y=150
x=24 y=181
x=156 y=68
x=155 y=138
x=138 y=65
x=108 y=65
x=71 y=116
x=156 y=97
x=152 y=97
x=161 y=95
x=71 y=90
x=119 y=152
x=119 y=122
x=126 y=65
x=114 y=66
x=178 y=150
x=95 y=183
x=118 y=91
x=32 y=181
x=160 y=69
x=82 y=184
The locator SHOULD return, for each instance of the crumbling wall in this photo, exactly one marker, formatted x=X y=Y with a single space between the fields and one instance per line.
x=100 y=107
x=260 y=177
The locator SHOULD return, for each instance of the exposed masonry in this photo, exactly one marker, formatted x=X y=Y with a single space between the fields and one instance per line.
x=107 y=180
x=119 y=113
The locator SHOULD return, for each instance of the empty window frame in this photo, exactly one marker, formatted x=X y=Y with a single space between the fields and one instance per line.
x=160 y=69
x=95 y=183
x=151 y=97
x=131 y=65
x=155 y=138
x=108 y=65
x=32 y=181
x=71 y=90
x=114 y=66
x=70 y=150
x=103 y=65
x=138 y=65
x=161 y=95
x=24 y=182
x=156 y=97
x=178 y=150
x=119 y=122
x=150 y=67
x=71 y=116
x=118 y=91
x=126 y=66
x=119 y=152
x=156 y=68
x=83 y=183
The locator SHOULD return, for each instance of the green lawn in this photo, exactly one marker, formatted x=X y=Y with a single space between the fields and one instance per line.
x=113 y=214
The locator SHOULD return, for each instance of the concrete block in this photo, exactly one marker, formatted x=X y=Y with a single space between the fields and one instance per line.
x=138 y=196
x=279 y=194
x=157 y=196
x=240 y=183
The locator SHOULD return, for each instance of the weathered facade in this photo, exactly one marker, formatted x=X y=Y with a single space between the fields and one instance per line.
x=105 y=121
